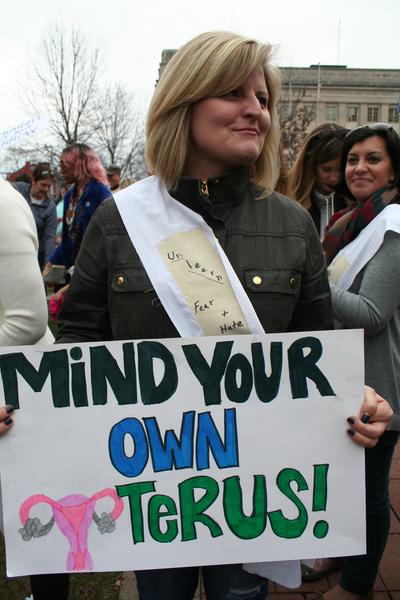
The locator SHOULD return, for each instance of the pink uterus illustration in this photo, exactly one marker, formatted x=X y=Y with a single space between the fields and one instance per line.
x=73 y=515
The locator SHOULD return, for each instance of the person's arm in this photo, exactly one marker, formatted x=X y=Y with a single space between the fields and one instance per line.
x=92 y=198
x=22 y=296
x=49 y=233
x=61 y=292
x=313 y=311
x=55 y=258
x=46 y=268
x=374 y=304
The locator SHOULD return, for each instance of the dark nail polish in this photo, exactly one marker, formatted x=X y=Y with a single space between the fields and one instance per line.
x=8 y=421
x=351 y=421
x=351 y=431
x=10 y=409
x=365 y=418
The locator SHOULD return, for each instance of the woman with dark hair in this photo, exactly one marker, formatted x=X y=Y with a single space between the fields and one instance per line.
x=212 y=145
x=43 y=208
x=363 y=249
x=83 y=171
x=316 y=172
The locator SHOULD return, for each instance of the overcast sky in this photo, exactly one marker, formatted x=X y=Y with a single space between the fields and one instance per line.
x=132 y=34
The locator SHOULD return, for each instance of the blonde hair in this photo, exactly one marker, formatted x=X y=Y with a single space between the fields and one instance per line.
x=321 y=145
x=210 y=65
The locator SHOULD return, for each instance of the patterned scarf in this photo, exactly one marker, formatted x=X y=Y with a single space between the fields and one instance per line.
x=350 y=221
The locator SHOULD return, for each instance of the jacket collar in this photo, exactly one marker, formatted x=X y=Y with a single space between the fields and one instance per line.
x=217 y=192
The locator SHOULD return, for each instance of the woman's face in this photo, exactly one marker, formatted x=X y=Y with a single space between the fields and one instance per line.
x=229 y=131
x=41 y=187
x=67 y=170
x=368 y=167
x=327 y=176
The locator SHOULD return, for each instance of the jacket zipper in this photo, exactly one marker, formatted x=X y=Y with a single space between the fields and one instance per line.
x=204 y=188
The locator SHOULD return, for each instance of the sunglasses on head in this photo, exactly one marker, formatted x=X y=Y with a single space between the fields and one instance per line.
x=373 y=126
x=327 y=136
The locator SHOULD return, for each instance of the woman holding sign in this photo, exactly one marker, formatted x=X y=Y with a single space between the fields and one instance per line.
x=204 y=246
x=362 y=248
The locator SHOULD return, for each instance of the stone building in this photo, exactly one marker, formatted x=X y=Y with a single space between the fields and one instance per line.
x=312 y=95
x=350 y=97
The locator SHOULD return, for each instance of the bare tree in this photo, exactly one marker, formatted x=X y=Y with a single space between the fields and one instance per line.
x=119 y=130
x=15 y=156
x=63 y=83
x=295 y=118
x=135 y=164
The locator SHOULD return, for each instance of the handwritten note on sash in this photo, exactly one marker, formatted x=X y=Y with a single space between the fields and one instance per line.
x=337 y=268
x=201 y=276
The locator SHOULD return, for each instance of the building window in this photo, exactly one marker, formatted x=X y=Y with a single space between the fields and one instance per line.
x=352 y=113
x=393 y=114
x=310 y=110
x=373 y=114
x=331 y=112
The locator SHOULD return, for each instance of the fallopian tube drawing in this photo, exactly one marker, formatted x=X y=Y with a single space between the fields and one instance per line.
x=73 y=515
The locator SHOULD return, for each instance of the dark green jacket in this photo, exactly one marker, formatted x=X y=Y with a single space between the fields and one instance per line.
x=271 y=243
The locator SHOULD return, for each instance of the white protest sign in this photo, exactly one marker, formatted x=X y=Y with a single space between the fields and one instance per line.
x=176 y=452
x=25 y=130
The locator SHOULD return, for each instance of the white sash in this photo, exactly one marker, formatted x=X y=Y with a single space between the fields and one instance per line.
x=353 y=257
x=178 y=250
x=185 y=263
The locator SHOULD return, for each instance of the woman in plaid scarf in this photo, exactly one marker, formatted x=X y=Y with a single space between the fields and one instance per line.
x=363 y=249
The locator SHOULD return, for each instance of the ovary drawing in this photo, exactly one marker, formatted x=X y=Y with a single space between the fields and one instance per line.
x=73 y=515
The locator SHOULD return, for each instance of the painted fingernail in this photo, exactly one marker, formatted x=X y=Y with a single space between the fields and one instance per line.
x=8 y=421
x=10 y=409
x=351 y=431
x=351 y=421
x=365 y=418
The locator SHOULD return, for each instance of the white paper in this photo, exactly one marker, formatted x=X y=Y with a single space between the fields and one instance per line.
x=61 y=452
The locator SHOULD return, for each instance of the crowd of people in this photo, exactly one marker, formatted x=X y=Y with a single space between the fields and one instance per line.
x=213 y=151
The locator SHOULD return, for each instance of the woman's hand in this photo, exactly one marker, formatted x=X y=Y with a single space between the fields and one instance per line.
x=58 y=295
x=374 y=417
x=6 y=421
x=46 y=268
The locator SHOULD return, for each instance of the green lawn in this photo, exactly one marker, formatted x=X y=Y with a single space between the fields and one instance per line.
x=85 y=586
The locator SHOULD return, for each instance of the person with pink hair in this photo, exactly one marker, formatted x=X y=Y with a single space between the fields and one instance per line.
x=86 y=177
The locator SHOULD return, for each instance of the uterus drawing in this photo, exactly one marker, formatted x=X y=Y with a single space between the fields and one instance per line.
x=73 y=514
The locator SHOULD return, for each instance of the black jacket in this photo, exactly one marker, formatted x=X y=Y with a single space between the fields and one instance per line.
x=111 y=296
x=338 y=203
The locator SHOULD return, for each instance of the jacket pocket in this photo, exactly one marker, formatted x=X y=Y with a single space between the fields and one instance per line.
x=274 y=294
x=137 y=312
x=131 y=280
x=285 y=281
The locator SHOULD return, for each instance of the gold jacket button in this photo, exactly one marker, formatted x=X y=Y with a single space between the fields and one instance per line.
x=257 y=280
x=120 y=280
x=292 y=282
